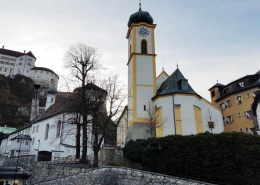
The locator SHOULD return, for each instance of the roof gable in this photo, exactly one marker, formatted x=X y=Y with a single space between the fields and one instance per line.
x=172 y=85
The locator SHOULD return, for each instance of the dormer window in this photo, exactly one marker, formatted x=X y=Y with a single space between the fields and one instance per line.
x=184 y=85
x=226 y=91
x=240 y=84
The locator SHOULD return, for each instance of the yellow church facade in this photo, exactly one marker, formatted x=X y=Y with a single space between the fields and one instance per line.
x=159 y=105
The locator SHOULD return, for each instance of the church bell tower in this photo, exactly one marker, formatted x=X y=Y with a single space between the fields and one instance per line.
x=141 y=65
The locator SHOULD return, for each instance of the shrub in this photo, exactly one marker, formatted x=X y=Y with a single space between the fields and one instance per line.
x=229 y=158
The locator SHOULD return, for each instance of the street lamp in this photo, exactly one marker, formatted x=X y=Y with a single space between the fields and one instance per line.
x=21 y=140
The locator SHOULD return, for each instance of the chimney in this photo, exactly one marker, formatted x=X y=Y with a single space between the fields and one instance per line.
x=24 y=51
x=3 y=47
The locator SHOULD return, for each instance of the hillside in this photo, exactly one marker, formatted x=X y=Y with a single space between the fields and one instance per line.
x=14 y=92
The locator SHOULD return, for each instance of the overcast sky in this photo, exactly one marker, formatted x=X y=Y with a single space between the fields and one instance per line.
x=209 y=39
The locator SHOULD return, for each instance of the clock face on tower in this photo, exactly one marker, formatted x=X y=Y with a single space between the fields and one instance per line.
x=143 y=31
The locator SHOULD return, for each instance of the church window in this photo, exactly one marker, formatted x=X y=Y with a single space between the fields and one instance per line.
x=212 y=93
x=37 y=128
x=33 y=130
x=32 y=141
x=46 y=132
x=144 y=47
x=58 y=129
x=144 y=107
x=211 y=125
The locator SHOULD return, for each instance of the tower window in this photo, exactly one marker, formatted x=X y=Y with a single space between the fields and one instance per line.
x=212 y=93
x=46 y=132
x=144 y=107
x=130 y=50
x=144 y=47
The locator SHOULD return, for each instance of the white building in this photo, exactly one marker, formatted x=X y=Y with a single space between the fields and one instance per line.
x=50 y=134
x=14 y=62
x=177 y=106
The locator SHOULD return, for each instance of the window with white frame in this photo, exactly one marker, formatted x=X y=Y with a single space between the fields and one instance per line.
x=246 y=129
x=248 y=95
x=228 y=103
x=240 y=84
x=238 y=115
x=239 y=100
x=248 y=114
x=255 y=93
x=241 y=130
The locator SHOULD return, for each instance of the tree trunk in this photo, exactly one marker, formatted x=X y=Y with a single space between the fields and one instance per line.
x=78 y=141
x=96 y=149
x=85 y=140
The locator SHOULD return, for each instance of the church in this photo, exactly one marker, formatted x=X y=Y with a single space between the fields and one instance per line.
x=159 y=105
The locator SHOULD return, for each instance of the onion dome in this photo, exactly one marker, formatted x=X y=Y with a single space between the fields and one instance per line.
x=140 y=16
x=52 y=90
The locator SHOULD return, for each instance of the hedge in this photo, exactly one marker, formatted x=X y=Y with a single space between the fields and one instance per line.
x=227 y=158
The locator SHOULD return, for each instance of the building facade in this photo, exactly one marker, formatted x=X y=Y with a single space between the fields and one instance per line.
x=168 y=102
x=235 y=100
x=14 y=62
x=51 y=134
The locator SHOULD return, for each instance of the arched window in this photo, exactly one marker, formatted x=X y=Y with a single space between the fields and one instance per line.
x=130 y=50
x=144 y=47
x=58 y=129
x=46 y=132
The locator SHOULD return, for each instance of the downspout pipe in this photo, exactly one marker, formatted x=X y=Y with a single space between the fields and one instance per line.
x=173 y=105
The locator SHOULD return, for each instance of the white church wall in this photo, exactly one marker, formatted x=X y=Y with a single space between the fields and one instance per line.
x=130 y=74
x=217 y=118
x=160 y=80
x=144 y=71
x=130 y=43
x=147 y=38
x=187 y=113
x=3 y=146
x=258 y=113
x=144 y=95
x=167 y=112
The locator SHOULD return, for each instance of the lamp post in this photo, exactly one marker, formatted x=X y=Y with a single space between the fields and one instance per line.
x=17 y=160
x=38 y=150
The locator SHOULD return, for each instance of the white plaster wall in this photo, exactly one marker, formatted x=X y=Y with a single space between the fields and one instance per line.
x=44 y=78
x=258 y=113
x=188 y=115
x=50 y=100
x=144 y=95
x=144 y=71
x=7 y=64
x=130 y=74
x=216 y=117
x=140 y=38
x=160 y=80
x=130 y=42
x=167 y=114
x=3 y=147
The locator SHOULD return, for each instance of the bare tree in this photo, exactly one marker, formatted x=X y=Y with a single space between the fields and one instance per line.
x=152 y=119
x=102 y=120
x=210 y=120
x=82 y=61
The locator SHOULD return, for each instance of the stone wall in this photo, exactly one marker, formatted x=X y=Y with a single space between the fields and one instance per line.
x=120 y=176
x=115 y=157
